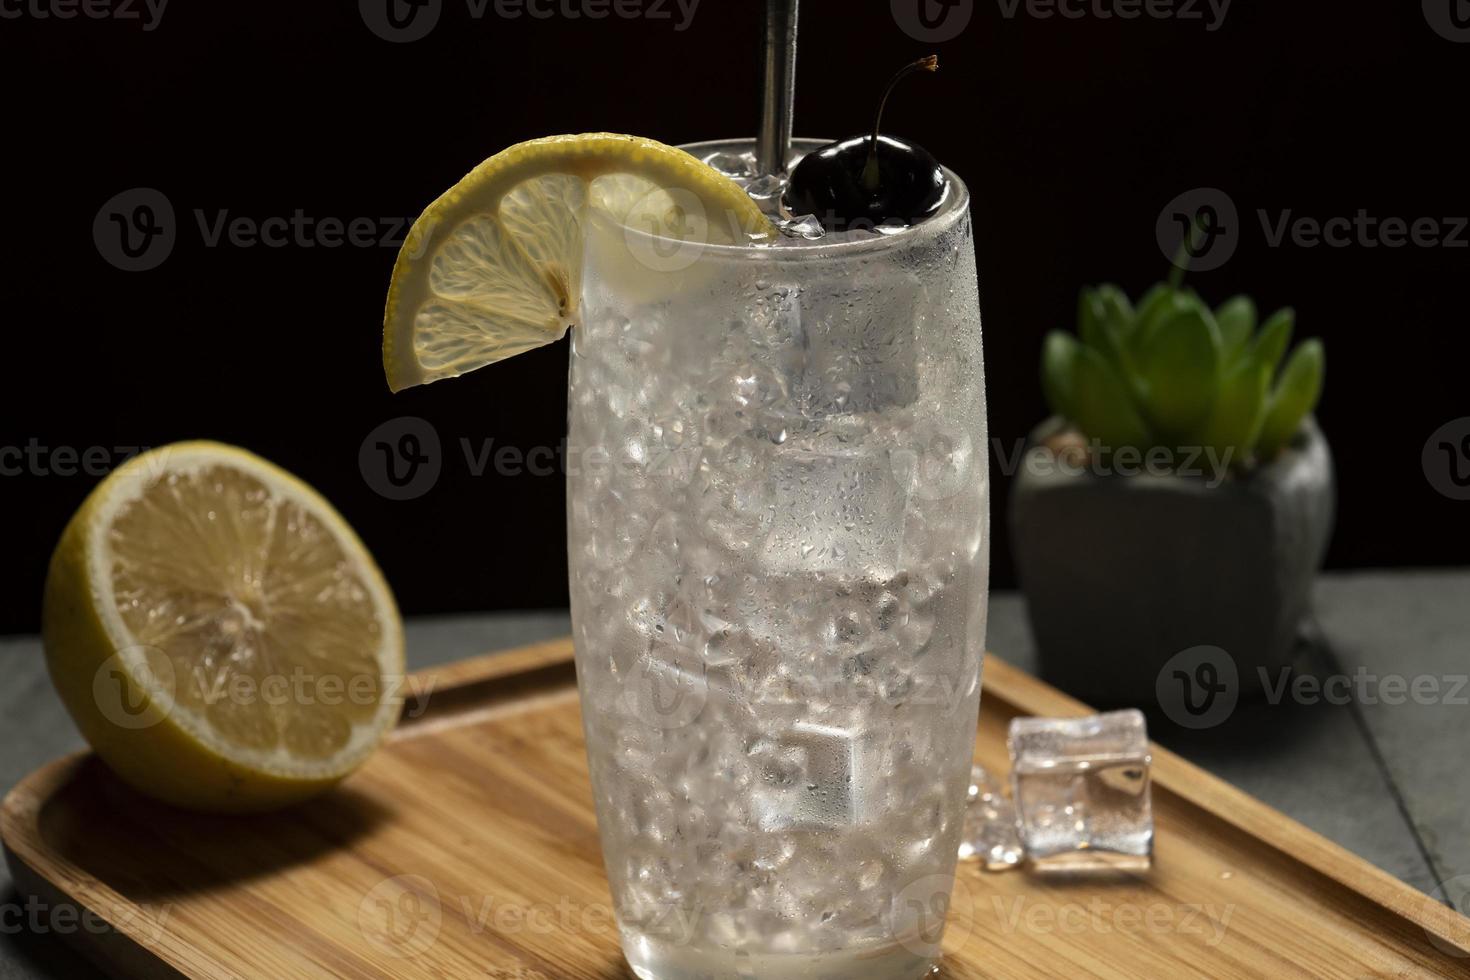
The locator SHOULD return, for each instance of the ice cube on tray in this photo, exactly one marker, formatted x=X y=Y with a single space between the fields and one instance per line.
x=1081 y=791
x=990 y=834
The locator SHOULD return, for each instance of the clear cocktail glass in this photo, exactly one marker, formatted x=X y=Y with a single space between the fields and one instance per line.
x=778 y=537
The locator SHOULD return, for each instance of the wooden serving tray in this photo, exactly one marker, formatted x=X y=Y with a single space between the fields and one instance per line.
x=467 y=847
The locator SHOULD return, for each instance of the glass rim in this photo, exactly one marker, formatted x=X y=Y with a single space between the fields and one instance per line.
x=955 y=208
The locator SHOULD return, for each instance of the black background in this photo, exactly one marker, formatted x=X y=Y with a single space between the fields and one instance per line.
x=1073 y=133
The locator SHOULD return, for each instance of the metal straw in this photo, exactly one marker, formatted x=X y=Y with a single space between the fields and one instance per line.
x=778 y=87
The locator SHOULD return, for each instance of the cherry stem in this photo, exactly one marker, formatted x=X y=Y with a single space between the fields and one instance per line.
x=870 y=168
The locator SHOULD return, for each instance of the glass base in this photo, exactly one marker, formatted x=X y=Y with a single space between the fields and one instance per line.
x=653 y=959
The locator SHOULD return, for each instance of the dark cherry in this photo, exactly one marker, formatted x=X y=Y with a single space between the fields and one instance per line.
x=868 y=180
x=830 y=183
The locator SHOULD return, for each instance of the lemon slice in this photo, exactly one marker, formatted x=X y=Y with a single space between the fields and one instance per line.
x=220 y=635
x=493 y=267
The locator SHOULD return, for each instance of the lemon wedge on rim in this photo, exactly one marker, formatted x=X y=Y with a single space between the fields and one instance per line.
x=493 y=267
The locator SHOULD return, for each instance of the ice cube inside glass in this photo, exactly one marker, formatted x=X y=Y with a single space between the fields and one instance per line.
x=1081 y=790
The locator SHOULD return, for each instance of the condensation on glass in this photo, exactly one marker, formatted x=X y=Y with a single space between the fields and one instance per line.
x=778 y=545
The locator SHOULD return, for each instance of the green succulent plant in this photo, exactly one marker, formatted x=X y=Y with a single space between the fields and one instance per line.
x=1170 y=372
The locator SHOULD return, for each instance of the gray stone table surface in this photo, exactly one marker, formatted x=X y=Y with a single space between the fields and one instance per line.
x=1380 y=771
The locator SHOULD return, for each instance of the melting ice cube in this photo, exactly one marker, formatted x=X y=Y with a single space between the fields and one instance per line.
x=990 y=833
x=1081 y=790
x=813 y=777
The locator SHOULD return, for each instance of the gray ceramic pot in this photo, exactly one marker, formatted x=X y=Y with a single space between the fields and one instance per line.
x=1123 y=572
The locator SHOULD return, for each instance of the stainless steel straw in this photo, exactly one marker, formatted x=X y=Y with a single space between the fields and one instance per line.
x=778 y=87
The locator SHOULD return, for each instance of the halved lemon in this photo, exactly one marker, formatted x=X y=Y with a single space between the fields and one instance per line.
x=493 y=267
x=220 y=635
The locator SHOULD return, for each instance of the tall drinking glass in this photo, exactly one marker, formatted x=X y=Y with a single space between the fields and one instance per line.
x=778 y=535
